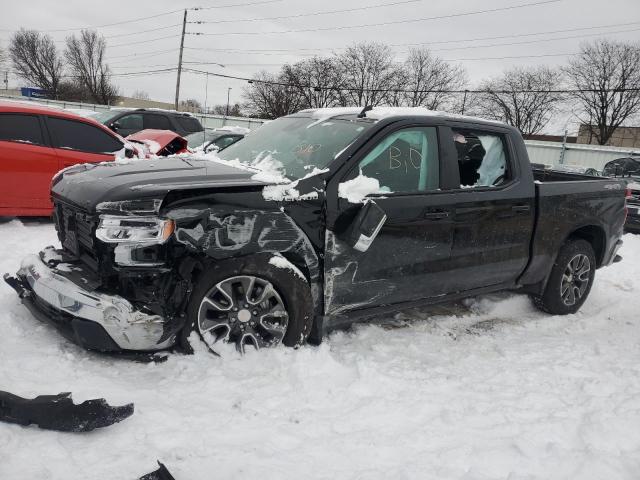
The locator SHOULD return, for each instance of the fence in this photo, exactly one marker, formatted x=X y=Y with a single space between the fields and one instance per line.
x=207 y=120
x=590 y=156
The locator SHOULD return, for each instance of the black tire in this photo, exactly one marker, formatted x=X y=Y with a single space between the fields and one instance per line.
x=552 y=300
x=293 y=290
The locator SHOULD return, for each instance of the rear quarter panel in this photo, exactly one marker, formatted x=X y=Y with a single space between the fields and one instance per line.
x=564 y=207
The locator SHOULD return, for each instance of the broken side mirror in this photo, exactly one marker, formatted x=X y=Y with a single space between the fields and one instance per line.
x=129 y=151
x=366 y=226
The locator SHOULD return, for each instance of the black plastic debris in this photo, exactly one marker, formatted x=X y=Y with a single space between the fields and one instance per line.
x=58 y=412
x=161 y=474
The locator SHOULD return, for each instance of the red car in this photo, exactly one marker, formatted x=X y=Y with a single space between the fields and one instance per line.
x=35 y=143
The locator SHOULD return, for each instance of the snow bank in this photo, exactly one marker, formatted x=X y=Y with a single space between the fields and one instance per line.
x=487 y=391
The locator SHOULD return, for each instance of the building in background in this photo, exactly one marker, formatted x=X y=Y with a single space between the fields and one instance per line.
x=622 y=137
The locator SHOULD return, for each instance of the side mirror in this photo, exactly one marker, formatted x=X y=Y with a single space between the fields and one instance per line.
x=366 y=226
x=129 y=151
x=114 y=126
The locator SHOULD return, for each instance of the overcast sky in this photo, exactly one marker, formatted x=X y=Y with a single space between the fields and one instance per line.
x=131 y=48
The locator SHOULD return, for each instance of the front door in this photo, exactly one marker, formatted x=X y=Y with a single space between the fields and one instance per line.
x=406 y=261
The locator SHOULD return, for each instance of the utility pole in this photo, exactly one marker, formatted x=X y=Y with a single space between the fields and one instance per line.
x=184 y=27
x=228 y=93
x=464 y=101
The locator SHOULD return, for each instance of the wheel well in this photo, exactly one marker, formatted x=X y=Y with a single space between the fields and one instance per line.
x=596 y=237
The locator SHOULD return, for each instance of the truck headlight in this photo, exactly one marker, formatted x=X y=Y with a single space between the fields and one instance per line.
x=130 y=229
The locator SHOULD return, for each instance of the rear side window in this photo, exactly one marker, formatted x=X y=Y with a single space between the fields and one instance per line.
x=131 y=122
x=189 y=124
x=21 y=128
x=158 y=122
x=81 y=136
x=482 y=158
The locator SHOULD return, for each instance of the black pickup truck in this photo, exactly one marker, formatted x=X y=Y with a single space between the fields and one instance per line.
x=313 y=221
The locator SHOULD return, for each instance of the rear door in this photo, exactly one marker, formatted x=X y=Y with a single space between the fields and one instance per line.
x=157 y=121
x=27 y=164
x=76 y=141
x=410 y=255
x=493 y=216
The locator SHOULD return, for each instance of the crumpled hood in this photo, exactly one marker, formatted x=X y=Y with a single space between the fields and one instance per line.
x=88 y=185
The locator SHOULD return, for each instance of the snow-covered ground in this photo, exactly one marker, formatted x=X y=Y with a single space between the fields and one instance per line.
x=500 y=391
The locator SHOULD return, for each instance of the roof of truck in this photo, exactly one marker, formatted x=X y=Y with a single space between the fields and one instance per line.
x=378 y=113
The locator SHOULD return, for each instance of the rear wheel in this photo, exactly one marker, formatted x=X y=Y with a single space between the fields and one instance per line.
x=571 y=279
x=249 y=302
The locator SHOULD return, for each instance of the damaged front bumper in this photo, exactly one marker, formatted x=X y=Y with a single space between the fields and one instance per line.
x=97 y=321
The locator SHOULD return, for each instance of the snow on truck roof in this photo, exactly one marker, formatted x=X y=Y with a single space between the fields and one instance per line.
x=379 y=113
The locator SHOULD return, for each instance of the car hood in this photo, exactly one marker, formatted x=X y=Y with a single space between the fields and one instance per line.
x=88 y=185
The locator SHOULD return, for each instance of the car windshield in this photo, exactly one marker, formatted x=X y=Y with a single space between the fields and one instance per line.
x=106 y=117
x=295 y=145
x=198 y=138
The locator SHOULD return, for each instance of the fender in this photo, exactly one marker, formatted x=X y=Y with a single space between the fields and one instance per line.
x=222 y=232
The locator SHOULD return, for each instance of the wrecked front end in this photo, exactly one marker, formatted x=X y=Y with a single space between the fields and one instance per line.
x=123 y=278
x=110 y=288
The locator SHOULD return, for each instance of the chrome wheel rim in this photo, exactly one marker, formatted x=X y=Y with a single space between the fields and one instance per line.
x=575 y=280
x=243 y=310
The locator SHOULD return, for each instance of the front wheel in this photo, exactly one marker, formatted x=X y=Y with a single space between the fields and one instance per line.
x=249 y=301
x=570 y=280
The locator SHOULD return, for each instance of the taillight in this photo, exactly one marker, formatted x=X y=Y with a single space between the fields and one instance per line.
x=627 y=197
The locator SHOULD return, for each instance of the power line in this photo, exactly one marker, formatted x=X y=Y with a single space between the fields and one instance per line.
x=128 y=44
x=396 y=22
x=143 y=31
x=300 y=15
x=235 y=5
x=143 y=54
x=347 y=89
x=279 y=52
x=147 y=17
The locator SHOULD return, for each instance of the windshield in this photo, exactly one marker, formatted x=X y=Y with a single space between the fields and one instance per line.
x=295 y=145
x=105 y=117
x=198 y=138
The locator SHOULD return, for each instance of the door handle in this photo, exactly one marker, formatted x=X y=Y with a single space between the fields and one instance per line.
x=520 y=208
x=438 y=215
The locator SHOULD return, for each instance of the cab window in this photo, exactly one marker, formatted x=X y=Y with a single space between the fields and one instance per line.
x=482 y=158
x=405 y=161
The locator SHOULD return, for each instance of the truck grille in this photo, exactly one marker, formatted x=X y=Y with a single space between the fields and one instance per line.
x=76 y=233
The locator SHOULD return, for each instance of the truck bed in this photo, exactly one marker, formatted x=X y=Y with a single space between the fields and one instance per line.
x=565 y=200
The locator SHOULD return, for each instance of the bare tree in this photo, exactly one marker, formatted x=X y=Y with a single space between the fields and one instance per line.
x=369 y=73
x=318 y=81
x=270 y=96
x=606 y=75
x=85 y=55
x=522 y=97
x=190 y=105
x=235 y=110
x=140 y=95
x=36 y=60
x=427 y=80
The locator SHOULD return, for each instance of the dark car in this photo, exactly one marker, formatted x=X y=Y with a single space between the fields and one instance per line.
x=126 y=122
x=314 y=221
x=209 y=139
x=628 y=168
